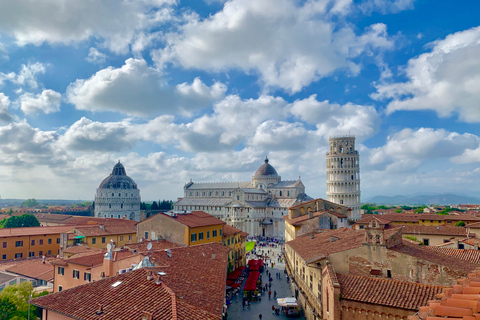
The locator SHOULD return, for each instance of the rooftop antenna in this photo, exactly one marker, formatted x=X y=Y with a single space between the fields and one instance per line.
x=149 y=246
x=169 y=253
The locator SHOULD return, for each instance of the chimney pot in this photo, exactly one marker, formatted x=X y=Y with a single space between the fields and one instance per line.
x=213 y=256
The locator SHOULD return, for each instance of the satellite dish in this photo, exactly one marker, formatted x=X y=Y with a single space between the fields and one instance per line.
x=109 y=247
x=149 y=246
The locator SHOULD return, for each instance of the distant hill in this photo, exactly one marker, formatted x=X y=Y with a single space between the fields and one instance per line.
x=439 y=199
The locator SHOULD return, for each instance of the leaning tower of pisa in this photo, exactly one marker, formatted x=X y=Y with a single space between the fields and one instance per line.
x=343 y=174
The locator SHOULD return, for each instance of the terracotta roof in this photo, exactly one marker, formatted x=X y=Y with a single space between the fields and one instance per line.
x=435 y=230
x=243 y=234
x=229 y=230
x=367 y=218
x=470 y=255
x=195 y=219
x=92 y=258
x=31 y=231
x=128 y=300
x=475 y=225
x=422 y=252
x=326 y=243
x=156 y=245
x=392 y=293
x=81 y=249
x=306 y=202
x=298 y=221
x=193 y=273
x=93 y=231
x=33 y=268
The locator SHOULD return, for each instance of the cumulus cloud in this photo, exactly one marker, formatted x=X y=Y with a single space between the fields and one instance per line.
x=407 y=149
x=5 y=115
x=288 y=44
x=87 y=135
x=136 y=89
x=26 y=76
x=280 y=135
x=115 y=23
x=47 y=102
x=334 y=119
x=386 y=6
x=95 y=56
x=445 y=80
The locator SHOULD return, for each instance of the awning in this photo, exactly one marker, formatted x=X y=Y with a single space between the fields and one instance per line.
x=287 y=302
x=79 y=237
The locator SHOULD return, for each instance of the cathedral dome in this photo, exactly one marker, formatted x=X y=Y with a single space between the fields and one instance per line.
x=265 y=170
x=118 y=179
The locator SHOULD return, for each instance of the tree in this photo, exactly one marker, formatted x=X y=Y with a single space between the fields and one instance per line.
x=398 y=210
x=154 y=206
x=7 y=308
x=30 y=203
x=18 y=295
x=143 y=206
x=460 y=224
x=25 y=220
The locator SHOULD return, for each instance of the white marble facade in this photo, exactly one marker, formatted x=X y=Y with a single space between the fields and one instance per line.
x=118 y=196
x=255 y=207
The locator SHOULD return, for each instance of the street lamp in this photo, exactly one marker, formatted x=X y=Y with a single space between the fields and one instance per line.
x=29 y=298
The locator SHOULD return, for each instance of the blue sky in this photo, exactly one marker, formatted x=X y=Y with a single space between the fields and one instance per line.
x=203 y=90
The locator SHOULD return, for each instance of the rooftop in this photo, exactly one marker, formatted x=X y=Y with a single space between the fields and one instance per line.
x=194 y=219
x=32 y=231
x=435 y=230
x=229 y=230
x=392 y=293
x=129 y=299
x=33 y=268
x=105 y=230
x=298 y=221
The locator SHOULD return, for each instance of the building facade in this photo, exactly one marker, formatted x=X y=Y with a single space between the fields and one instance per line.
x=343 y=174
x=118 y=196
x=255 y=207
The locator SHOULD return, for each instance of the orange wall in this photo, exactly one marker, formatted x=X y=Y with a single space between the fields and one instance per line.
x=27 y=247
x=197 y=230
x=119 y=239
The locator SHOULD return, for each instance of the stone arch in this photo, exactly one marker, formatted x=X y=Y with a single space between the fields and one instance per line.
x=302 y=210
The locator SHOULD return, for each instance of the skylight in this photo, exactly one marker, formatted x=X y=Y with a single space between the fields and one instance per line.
x=116 y=284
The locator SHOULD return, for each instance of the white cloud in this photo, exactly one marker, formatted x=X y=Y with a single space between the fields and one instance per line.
x=95 y=56
x=26 y=76
x=468 y=156
x=335 y=119
x=47 y=102
x=407 y=149
x=288 y=44
x=116 y=23
x=136 y=89
x=280 y=135
x=445 y=80
x=386 y=6
x=86 y=135
x=5 y=115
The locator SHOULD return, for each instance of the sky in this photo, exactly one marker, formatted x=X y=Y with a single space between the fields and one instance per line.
x=204 y=90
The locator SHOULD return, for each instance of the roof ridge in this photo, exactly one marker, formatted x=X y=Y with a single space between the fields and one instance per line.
x=387 y=280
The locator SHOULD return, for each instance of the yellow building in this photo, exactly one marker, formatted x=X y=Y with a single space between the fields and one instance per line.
x=186 y=228
x=236 y=240
x=18 y=243
x=98 y=236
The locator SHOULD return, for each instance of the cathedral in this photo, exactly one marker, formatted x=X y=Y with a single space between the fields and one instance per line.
x=118 y=196
x=255 y=207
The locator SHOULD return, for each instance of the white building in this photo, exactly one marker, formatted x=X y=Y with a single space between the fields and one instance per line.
x=255 y=207
x=343 y=174
x=118 y=196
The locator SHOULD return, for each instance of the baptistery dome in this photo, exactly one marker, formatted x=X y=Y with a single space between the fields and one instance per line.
x=118 y=196
x=118 y=179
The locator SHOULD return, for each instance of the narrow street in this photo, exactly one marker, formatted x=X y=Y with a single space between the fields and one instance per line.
x=264 y=307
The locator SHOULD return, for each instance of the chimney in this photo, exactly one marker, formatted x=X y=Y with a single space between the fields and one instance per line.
x=213 y=256
x=150 y=276
x=102 y=227
x=100 y=309
x=147 y=315
x=108 y=262
x=456 y=243
x=43 y=259
x=475 y=246
x=158 y=279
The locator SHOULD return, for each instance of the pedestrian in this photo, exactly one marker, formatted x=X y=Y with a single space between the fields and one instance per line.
x=269 y=294
x=243 y=304
x=274 y=294
x=249 y=305
x=273 y=309
x=260 y=316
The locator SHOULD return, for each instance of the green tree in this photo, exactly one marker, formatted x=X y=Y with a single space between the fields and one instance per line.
x=25 y=220
x=18 y=295
x=7 y=308
x=30 y=203
x=154 y=206
x=398 y=210
x=460 y=224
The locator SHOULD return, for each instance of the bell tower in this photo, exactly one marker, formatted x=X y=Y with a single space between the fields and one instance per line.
x=343 y=174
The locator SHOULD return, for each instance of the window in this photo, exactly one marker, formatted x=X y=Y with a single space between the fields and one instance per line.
x=220 y=232
x=214 y=233
x=76 y=274
x=461 y=246
x=121 y=238
x=18 y=255
x=40 y=242
x=94 y=240
x=341 y=201
x=32 y=243
x=4 y=256
x=18 y=243
x=87 y=277
x=4 y=245
x=228 y=242
x=31 y=254
x=49 y=252
x=193 y=237
x=208 y=234
x=130 y=237
x=103 y=239
x=146 y=234
x=58 y=240
x=389 y=273
x=49 y=241
x=426 y=242
x=60 y=288
x=61 y=271
x=200 y=236
x=40 y=253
